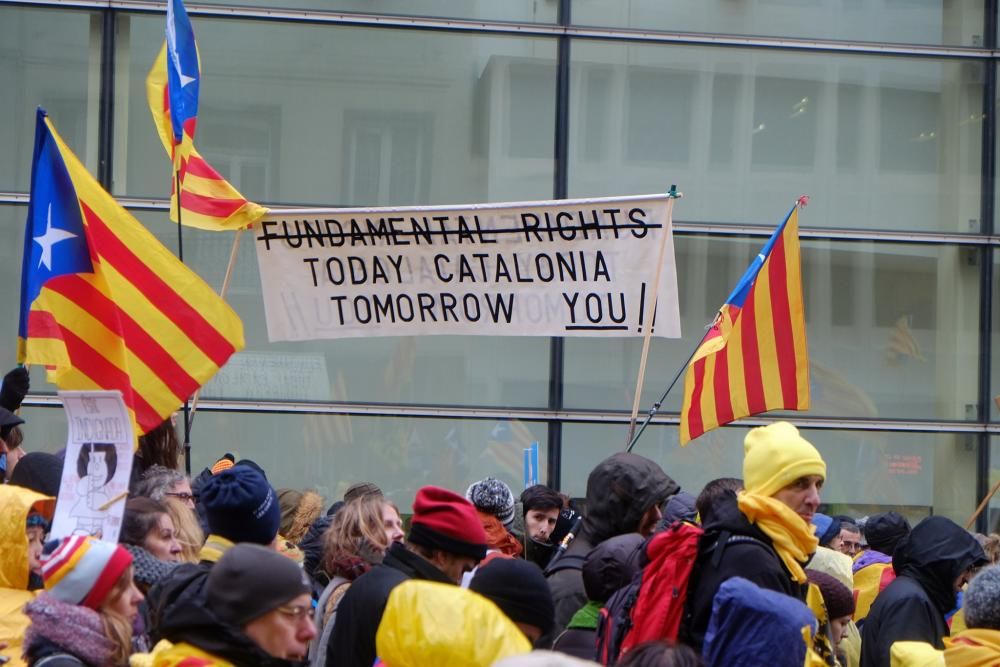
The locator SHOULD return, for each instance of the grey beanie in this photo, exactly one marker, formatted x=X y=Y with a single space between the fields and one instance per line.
x=492 y=496
x=250 y=581
x=982 y=600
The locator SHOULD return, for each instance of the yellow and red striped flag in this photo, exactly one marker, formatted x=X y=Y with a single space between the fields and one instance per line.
x=104 y=305
x=208 y=201
x=755 y=357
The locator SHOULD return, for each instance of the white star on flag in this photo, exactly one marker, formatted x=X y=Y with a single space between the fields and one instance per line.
x=51 y=237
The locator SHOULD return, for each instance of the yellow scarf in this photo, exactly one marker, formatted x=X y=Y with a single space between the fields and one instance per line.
x=973 y=648
x=790 y=535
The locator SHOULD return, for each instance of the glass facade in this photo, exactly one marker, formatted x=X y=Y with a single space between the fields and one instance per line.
x=882 y=111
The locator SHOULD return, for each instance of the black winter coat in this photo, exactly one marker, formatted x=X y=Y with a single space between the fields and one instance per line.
x=912 y=608
x=577 y=642
x=178 y=610
x=750 y=555
x=619 y=491
x=352 y=643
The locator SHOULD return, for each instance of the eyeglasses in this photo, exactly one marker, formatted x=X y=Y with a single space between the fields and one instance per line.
x=182 y=496
x=296 y=611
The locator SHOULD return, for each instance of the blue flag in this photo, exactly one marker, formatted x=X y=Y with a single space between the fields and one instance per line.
x=182 y=71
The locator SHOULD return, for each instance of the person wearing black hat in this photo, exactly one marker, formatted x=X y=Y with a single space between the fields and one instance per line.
x=39 y=471
x=932 y=563
x=241 y=507
x=884 y=531
x=446 y=540
x=258 y=612
x=520 y=590
x=10 y=443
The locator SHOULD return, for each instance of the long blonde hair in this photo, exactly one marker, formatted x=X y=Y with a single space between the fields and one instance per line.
x=117 y=628
x=186 y=527
x=356 y=531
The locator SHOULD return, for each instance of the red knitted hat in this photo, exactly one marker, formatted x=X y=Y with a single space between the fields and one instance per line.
x=445 y=520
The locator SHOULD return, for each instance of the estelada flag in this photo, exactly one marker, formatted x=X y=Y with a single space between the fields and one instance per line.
x=754 y=358
x=208 y=201
x=104 y=305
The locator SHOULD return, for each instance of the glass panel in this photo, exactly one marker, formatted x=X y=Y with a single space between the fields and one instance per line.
x=51 y=59
x=457 y=370
x=528 y=11
x=892 y=329
x=927 y=22
x=343 y=116
x=12 y=220
x=879 y=143
x=330 y=452
x=916 y=474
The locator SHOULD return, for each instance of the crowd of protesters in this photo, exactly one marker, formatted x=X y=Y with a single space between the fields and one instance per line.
x=224 y=570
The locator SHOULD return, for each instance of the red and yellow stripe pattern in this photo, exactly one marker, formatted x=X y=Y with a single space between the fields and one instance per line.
x=141 y=322
x=755 y=357
x=208 y=201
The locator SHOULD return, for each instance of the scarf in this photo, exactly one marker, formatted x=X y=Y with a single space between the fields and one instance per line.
x=587 y=617
x=973 y=648
x=790 y=535
x=73 y=628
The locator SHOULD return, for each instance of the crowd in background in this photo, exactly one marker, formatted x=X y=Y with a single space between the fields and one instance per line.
x=224 y=569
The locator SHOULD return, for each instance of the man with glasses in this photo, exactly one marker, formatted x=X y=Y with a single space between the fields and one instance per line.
x=261 y=609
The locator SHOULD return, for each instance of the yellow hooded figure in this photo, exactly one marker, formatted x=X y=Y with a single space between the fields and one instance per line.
x=15 y=505
x=428 y=624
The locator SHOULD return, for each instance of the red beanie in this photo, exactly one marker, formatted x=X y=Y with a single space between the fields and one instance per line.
x=445 y=520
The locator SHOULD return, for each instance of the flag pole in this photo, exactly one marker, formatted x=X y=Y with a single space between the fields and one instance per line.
x=180 y=256
x=233 y=253
x=667 y=230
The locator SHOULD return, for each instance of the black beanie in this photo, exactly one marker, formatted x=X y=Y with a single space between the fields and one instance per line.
x=519 y=589
x=884 y=531
x=241 y=506
x=39 y=471
x=250 y=581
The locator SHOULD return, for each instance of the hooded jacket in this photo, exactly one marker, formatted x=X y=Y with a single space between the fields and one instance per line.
x=912 y=608
x=15 y=503
x=352 y=643
x=619 y=491
x=746 y=552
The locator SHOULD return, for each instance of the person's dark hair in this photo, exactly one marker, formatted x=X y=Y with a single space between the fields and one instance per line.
x=141 y=516
x=540 y=497
x=110 y=458
x=160 y=447
x=713 y=491
x=660 y=654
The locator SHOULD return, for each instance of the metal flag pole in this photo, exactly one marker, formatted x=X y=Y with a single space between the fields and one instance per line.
x=654 y=296
x=180 y=256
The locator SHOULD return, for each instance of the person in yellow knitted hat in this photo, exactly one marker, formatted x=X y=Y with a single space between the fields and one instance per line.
x=764 y=533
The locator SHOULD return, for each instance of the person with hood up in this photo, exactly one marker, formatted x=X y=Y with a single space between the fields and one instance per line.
x=430 y=624
x=932 y=563
x=241 y=507
x=446 y=540
x=610 y=565
x=873 y=567
x=827 y=531
x=764 y=534
x=298 y=511
x=259 y=612
x=624 y=495
x=17 y=560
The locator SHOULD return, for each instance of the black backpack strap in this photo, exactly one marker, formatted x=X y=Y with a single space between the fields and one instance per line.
x=566 y=562
x=726 y=538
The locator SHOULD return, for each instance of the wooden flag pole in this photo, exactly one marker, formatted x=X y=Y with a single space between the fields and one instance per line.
x=982 y=505
x=233 y=254
x=651 y=309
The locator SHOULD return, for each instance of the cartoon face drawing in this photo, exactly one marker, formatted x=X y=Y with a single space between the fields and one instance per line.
x=97 y=469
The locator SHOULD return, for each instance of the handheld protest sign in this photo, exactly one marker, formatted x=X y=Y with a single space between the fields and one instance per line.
x=98 y=465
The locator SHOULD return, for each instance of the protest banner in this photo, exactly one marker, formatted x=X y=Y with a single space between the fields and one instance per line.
x=95 y=476
x=582 y=267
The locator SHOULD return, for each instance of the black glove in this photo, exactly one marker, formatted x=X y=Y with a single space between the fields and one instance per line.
x=15 y=387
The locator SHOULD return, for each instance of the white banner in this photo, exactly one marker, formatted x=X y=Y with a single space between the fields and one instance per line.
x=568 y=268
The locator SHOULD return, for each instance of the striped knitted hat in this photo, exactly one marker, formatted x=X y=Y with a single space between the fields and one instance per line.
x=82 y=570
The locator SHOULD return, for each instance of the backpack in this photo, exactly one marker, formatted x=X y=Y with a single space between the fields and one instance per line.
x=317 y=647
x=654 y=604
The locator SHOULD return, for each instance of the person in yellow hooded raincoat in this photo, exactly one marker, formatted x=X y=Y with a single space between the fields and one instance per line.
x=429 y=624
x=15 y=505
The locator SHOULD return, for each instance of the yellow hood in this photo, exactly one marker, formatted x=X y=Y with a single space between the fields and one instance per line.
x=15 y=503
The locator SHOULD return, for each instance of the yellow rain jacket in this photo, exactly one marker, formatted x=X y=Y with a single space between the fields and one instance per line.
x=915 y=654
x=182 y=654
x=429 y=624
x=15 y=503
x=973 y=648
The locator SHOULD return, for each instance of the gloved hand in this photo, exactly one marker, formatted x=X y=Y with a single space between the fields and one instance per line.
x=15 y=387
